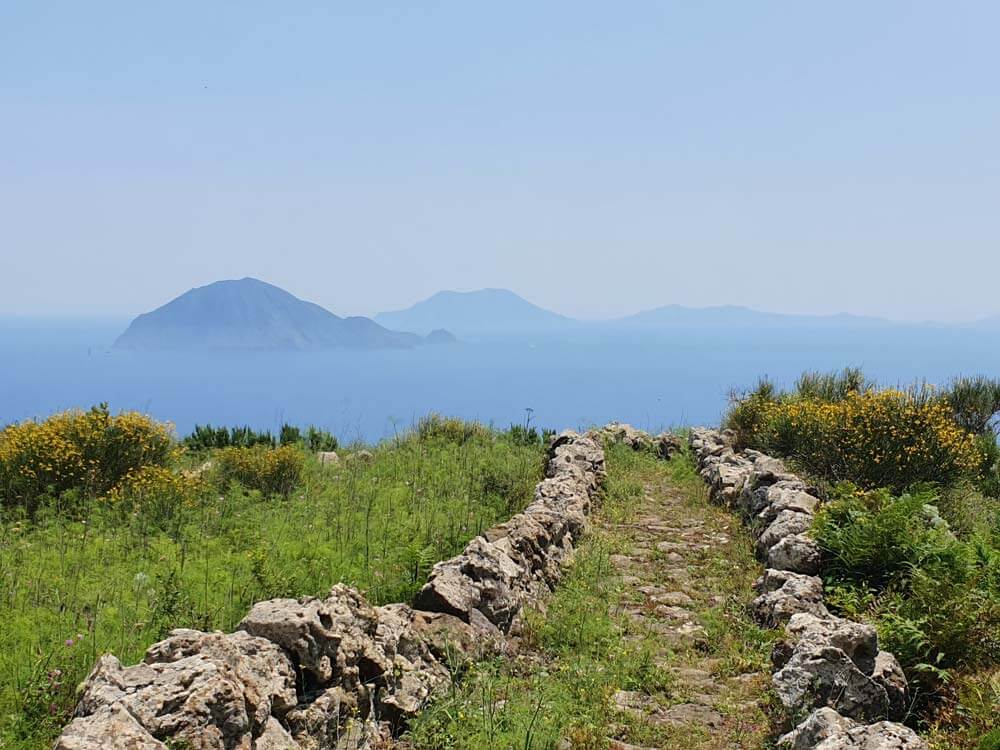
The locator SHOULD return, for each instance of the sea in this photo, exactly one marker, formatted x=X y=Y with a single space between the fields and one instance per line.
x=654 y=380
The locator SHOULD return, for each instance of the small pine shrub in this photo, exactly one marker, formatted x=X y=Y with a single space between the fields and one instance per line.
x=206 y=437
x=271 y=471
x=87 y=452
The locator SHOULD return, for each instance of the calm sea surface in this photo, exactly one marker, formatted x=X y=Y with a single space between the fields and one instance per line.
x=651 y=380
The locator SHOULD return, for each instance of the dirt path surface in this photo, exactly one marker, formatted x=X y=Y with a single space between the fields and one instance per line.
x=686 y=567
x=646 y=643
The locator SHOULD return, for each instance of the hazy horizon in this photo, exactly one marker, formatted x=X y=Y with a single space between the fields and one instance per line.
x=597 y=160
x=124 y=317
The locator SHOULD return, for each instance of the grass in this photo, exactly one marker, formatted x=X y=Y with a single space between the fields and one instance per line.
x=103 y=580
x=558 y=693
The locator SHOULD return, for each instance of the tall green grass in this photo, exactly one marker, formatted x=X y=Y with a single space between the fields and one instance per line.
x=116 y=577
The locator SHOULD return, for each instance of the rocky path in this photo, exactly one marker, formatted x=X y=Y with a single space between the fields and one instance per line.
x=686 y=569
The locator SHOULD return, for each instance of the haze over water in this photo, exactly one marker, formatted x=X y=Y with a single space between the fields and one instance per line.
x=652 y=379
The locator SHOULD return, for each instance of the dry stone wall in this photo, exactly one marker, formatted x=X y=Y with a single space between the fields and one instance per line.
x=337 y=672
x=838 y=688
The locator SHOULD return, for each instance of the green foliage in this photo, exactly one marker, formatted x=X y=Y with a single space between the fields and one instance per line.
x=975 y=402
x=832 y=387
x=452 y=429
x=526 y=435
x=990 y=741
x=934 y=598
x=271 y=471
x=206 y=437
x=166 y=551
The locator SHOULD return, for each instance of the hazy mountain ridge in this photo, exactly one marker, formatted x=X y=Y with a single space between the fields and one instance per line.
x=481 y=312
x=496 y=312
x=248 y=314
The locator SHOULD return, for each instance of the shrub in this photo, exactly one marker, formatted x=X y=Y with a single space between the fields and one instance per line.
x=84 y=451
x=206 y=437
x=833 y=387
x=975 y=403
x=888 y=438
x=317 y=439
x=158 y=496
x=934 y=598
x=272 y=471
x=451 y=429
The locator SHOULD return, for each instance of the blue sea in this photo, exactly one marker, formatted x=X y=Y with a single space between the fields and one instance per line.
x=653 y=380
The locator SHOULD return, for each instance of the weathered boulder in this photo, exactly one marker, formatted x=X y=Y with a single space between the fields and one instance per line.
x=882 y=735
x=110 y=727
x=797 y=553
x=826 y=676
x=666 y=445
x=858 y=640
x=193 y=701
x=416 y=672
x=327 y=718
x=783 y=594
x=820 y=725
x=785 y=499
x=786 y=523
x=328 y=458
x=275 y=737
x=889 y=674
x=331 y=640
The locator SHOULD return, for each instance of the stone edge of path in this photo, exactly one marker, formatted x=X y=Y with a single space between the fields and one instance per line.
x=838 y=689
x=337 y=672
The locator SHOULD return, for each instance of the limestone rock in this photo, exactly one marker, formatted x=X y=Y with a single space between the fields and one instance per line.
x=826 y=676
x=328 y=458
x=786 y=523
x=889 y=674
x=821 y=724
x=783 y=594
x=883 y=735
x=109 y=728
x=858 y=640
x=797 y=553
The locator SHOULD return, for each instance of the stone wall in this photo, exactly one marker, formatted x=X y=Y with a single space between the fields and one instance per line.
x=838 y=689
x=336 y=672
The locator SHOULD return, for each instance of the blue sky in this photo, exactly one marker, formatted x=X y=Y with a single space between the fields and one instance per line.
x=598 y=158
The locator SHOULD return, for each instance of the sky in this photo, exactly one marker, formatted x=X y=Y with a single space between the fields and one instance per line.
x=597 y=158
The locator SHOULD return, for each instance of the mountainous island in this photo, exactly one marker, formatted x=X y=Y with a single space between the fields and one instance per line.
x=485 y=312
x=249 y=314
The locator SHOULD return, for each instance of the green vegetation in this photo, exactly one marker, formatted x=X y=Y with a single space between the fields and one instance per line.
x=911 y=533
x=560 y=691
x=206 y=437
x=272 y=471
x=101 y=568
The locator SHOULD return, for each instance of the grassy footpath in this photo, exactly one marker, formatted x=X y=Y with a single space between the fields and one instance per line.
x=73 y=586
x=605 y=665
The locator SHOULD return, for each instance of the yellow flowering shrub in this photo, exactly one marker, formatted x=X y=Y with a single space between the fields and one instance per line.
x=157 y=493
x=273 y=471
x=89 y=451
x=887 y=438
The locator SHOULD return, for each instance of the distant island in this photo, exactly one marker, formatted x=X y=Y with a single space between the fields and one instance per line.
x=484 y=312
x=249 y=314
x=500 y=313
